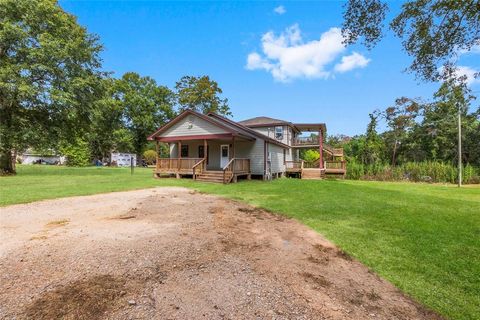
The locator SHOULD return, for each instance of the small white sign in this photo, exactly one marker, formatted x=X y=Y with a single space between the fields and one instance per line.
x=123 y=159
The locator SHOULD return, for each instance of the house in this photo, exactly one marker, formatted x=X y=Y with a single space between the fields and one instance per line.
x=213 y=148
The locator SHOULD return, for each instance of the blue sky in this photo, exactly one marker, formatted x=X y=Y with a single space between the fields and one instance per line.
x=290 y=74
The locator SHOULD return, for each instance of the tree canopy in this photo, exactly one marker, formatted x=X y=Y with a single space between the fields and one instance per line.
x=202 y=95
x=433 y=32
x=48 y=77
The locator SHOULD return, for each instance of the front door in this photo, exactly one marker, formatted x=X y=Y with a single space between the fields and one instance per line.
x=224 y=155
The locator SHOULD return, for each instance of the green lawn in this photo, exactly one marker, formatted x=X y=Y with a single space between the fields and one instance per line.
x=423 y=238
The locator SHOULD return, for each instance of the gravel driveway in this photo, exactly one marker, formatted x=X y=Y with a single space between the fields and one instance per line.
x=172 y=253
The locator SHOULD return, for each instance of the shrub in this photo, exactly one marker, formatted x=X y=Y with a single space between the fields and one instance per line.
x=427 y=171
x=311 y=155
x=150 y=156
x=77 y=153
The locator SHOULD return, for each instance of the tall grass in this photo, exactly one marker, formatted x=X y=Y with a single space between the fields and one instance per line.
x=427 y=171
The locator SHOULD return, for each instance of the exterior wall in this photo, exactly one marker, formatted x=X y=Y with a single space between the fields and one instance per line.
x=277 y=164
x=270 y=132
x=213 y=151
x=192 y=125
x=254 y=151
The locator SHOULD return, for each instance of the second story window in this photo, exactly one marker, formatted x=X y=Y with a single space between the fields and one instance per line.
x=279 y=133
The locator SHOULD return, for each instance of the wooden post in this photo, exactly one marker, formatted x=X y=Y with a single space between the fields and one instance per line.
x=205 y=154
x=179 y=153
x=233 y=147
x=156 y=147
x=320 y=145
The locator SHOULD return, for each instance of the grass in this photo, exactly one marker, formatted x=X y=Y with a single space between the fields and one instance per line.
x=423 y=238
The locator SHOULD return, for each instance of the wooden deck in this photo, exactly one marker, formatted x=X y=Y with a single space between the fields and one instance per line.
x=304 y=171
x=197 y=169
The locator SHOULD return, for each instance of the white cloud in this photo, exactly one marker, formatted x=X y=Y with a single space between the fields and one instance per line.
x=355 y=60
x=475 y=49
x=280 y=10
x=288 y=57
x=469 y=73
x=466 y=71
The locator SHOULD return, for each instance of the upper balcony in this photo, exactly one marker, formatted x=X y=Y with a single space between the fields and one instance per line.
x=305 y=141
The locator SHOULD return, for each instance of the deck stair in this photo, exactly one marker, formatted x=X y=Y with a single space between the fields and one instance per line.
x=212 y=176
x=312 y=173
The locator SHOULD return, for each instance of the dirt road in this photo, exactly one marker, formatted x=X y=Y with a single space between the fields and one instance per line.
x=171 y=253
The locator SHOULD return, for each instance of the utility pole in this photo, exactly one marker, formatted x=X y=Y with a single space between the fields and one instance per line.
x=459 y=147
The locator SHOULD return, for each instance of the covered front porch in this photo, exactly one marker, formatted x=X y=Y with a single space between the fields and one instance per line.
x=214 y=158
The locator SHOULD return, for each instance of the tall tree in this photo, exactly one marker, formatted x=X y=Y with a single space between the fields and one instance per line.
x=108 y=130
x=433 y=32
x=48 y=76
x=146 y=106
x=440 y=121
x=400 y=119
x=202 y=95
x=373 y=144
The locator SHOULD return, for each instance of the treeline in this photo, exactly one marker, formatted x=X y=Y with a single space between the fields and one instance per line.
x=56 y=98
x=420 y=142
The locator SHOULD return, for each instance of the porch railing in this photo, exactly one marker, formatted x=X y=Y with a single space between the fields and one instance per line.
x=235 y=166
x=335 y=165
x=176 y=164
x=300 y=141
x=294 y=165
x=312 y=164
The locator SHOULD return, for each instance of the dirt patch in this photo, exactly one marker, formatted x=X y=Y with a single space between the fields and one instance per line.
x=81 y=299
x=171 y=253
x=57 y=223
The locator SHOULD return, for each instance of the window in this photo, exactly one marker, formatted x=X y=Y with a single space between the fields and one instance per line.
x=279 y=133
x=201 y=152
x=184 y=153
x=224 y=151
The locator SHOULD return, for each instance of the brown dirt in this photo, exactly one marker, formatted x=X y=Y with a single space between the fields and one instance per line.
x=171 y=253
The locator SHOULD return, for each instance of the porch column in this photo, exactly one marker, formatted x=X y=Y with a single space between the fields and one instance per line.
x=320 y=145
x=156 y=147
x=205 y=149
x=233 y=147
x=205 y=154
x=179 y=153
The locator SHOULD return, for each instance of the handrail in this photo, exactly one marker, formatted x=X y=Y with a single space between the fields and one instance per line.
x=226 y=167
x=195 y=167
x=231 y=166
x=229 y=162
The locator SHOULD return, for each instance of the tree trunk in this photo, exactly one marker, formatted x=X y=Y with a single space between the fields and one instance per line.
x=394 y=153
x=7 y=165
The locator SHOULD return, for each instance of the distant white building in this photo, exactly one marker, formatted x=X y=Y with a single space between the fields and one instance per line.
x=32 y=157
x=123 y=159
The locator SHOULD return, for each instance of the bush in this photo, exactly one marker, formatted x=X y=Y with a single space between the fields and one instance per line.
x=427 y=171
x=77 y=153
x=150 y=156
x=311 y=156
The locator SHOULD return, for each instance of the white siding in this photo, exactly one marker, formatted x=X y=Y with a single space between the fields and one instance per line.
x=270 y=132
x=192 y=125
x=254 y=150
x=276 y=158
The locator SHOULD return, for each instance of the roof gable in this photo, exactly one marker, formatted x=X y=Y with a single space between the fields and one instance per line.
x=190 y=123
x=247 y=129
